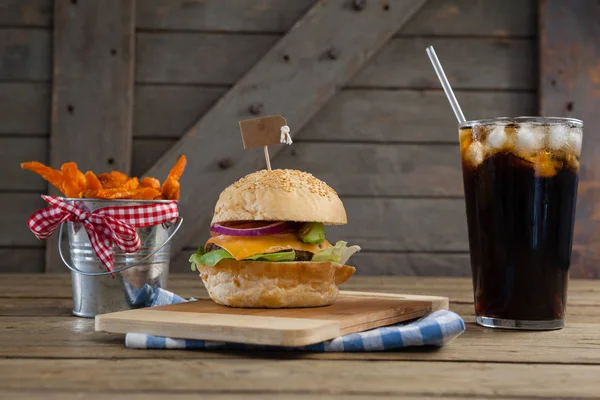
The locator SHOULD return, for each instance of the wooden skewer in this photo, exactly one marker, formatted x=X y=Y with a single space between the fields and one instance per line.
x=267 y=158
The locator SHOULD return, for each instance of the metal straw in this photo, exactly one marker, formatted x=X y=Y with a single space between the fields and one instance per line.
x=445 y=84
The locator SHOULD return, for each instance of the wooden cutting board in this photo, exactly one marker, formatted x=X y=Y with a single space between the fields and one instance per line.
x=206 y=320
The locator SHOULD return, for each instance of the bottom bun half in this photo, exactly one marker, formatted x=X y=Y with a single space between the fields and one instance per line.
x=258 y=284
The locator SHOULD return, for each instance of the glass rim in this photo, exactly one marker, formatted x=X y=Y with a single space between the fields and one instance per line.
x=525 y=119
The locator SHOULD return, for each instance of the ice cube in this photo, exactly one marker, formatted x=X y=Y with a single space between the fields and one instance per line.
x=558 y=137
x=545 y=166
x=464 y=134
x=464 y=138
x=475 y=153
x=573 y=163
x=478 y=132
x=529 y=139
x=497 y=137
x=574 y=141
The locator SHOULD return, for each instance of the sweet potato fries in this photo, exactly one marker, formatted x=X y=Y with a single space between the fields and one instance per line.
x=109 y=185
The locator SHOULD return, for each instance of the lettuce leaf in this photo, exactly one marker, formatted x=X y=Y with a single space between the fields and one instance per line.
x=211 y=258
x=194 y=257
x=274 y=257
x=339 y=253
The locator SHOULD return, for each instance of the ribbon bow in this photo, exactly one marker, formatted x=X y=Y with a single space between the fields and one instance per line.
x=104 y=226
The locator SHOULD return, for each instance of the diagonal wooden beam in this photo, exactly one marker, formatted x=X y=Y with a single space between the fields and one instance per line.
x=321 y=52
x=92 y=90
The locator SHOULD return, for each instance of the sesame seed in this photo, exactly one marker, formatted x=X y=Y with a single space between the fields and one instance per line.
x=284 y=179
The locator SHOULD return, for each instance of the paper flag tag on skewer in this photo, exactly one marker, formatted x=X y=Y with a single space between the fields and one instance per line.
x=264 y=131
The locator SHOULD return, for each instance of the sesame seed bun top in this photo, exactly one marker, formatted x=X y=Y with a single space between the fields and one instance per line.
x=280 y=195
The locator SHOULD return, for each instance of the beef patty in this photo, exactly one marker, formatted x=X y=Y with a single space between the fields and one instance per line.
x=300 y=254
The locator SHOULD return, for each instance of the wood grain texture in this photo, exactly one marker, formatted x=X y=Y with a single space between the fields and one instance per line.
x=351 y=115
x=143 y=395
x=309 y=376
x=167 y=110
x=25 y=54
x=492 y=63
x=52 y=337
x=581 y=292
x=570 y=87
x=169 y=57
x=26 y=13
x=311 y=79
x=412 y=264
x=25 y=108
x=159 y=111
x=17 y=207
x=437 y=17
x=58 y=286
x=502 y=63
x=379 y=169
x=404 y=224
x=22 y=260
x=201 y=326
x=358 y=170
x=93 y=84
x=203 y=319
x=36 y=306
x=92 y=89
x=189 y=285
x=46 y=307
x=218 y=15
x=474 y=17
x=51 y=307
x=407 y=115
x=14 y=151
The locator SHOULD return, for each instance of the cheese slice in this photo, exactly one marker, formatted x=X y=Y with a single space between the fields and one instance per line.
x=242 y=247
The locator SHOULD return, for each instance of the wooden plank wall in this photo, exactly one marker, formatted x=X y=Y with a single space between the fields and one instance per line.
x=570 y=87
x=25 y=90
x=92 y=91
x=386 y=142
x=297 y=77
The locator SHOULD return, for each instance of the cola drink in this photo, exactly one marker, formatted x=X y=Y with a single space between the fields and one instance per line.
x=520 y=180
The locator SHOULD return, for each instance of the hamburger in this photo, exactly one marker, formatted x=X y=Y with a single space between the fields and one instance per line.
x=268 y=246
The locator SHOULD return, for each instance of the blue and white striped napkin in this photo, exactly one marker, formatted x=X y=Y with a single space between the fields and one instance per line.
x=148 y=296
x=435 y=329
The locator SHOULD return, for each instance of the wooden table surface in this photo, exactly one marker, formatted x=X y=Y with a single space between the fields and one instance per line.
x=46 y=353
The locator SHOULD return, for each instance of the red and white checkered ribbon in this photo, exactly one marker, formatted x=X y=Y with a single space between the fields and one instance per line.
x=104 y=226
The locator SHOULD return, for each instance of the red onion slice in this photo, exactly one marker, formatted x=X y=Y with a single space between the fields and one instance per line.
x=270 y=229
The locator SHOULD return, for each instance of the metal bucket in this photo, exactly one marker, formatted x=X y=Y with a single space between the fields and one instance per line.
x=137 y=276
